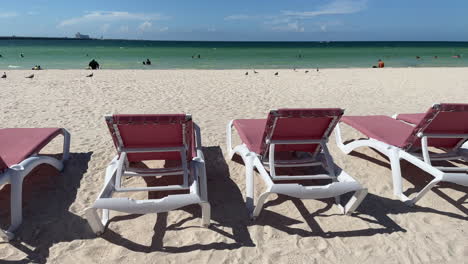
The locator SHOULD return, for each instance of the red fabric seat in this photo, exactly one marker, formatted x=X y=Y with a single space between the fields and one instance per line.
x=17 y=144
x=411 y=118
x=382 y=128
x=439 y=119
x=288 y=125
x=153 y=131
x=251 y=132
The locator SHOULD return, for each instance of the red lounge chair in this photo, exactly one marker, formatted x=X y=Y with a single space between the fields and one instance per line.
x=415 y=119
x=301 y=135
x=443 y=126
x=19 y=148
x=140 y=138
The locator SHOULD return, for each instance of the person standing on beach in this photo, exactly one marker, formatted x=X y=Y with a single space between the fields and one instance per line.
x=381 y=64
x=93 y=64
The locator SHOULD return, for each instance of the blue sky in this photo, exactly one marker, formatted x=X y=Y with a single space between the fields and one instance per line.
x=277 y=20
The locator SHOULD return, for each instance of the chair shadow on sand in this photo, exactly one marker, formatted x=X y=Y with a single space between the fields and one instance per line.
x=48 y=194
x=370 y=210
x=227 y=211
x=47 y=197
x=419 y=178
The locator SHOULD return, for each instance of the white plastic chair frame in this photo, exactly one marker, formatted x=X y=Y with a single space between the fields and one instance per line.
x=342 y=182
x=15 y=175
x=118 y=167
x=421 y=160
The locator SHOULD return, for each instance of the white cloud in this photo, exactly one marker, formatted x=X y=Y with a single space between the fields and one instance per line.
x=145 y=26
x=148 y=26
x=337 y=7
x=8 y=14
x=111 y=16
x=289 y=27
x=290 y=20
x=32 y=13
x=238 y=17
x=324 y=26
x=277 y=20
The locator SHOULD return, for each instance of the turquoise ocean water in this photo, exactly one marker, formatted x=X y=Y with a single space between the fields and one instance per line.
x=128 y=54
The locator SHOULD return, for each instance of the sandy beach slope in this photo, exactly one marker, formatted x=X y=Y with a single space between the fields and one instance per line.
x=288 y=230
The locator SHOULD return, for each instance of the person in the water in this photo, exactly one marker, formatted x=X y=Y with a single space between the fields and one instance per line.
x=93 y=64
x=380 y=64
x=148 y=62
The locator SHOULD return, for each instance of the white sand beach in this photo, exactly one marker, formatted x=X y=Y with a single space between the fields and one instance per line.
x=288 y=230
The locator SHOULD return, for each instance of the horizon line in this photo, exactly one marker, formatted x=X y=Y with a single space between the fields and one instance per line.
x=161 y=40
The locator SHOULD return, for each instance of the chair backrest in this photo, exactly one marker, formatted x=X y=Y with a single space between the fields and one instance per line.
x=446 y=119
x=152 y=131
x=298 y=125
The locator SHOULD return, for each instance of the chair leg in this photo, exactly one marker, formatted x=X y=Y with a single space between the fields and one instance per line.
x=66 y=144
x=355 y=201
x=423 y=192
x=261 y=201
x=95 y=222
x=249 y=185
x=206 y=213
x=396 y=173
x=338 y=203
x=16 y=200
x=338 y=200
x=105 y=216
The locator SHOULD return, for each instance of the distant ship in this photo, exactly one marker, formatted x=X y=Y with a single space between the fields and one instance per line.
x=81 y=36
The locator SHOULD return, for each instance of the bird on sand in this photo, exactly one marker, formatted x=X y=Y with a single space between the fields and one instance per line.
x=306 y=71
x=4 y=75
x=255 y=71
x=276 y=73
x=89 y=75
x=30 y=76
x=246 y=73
